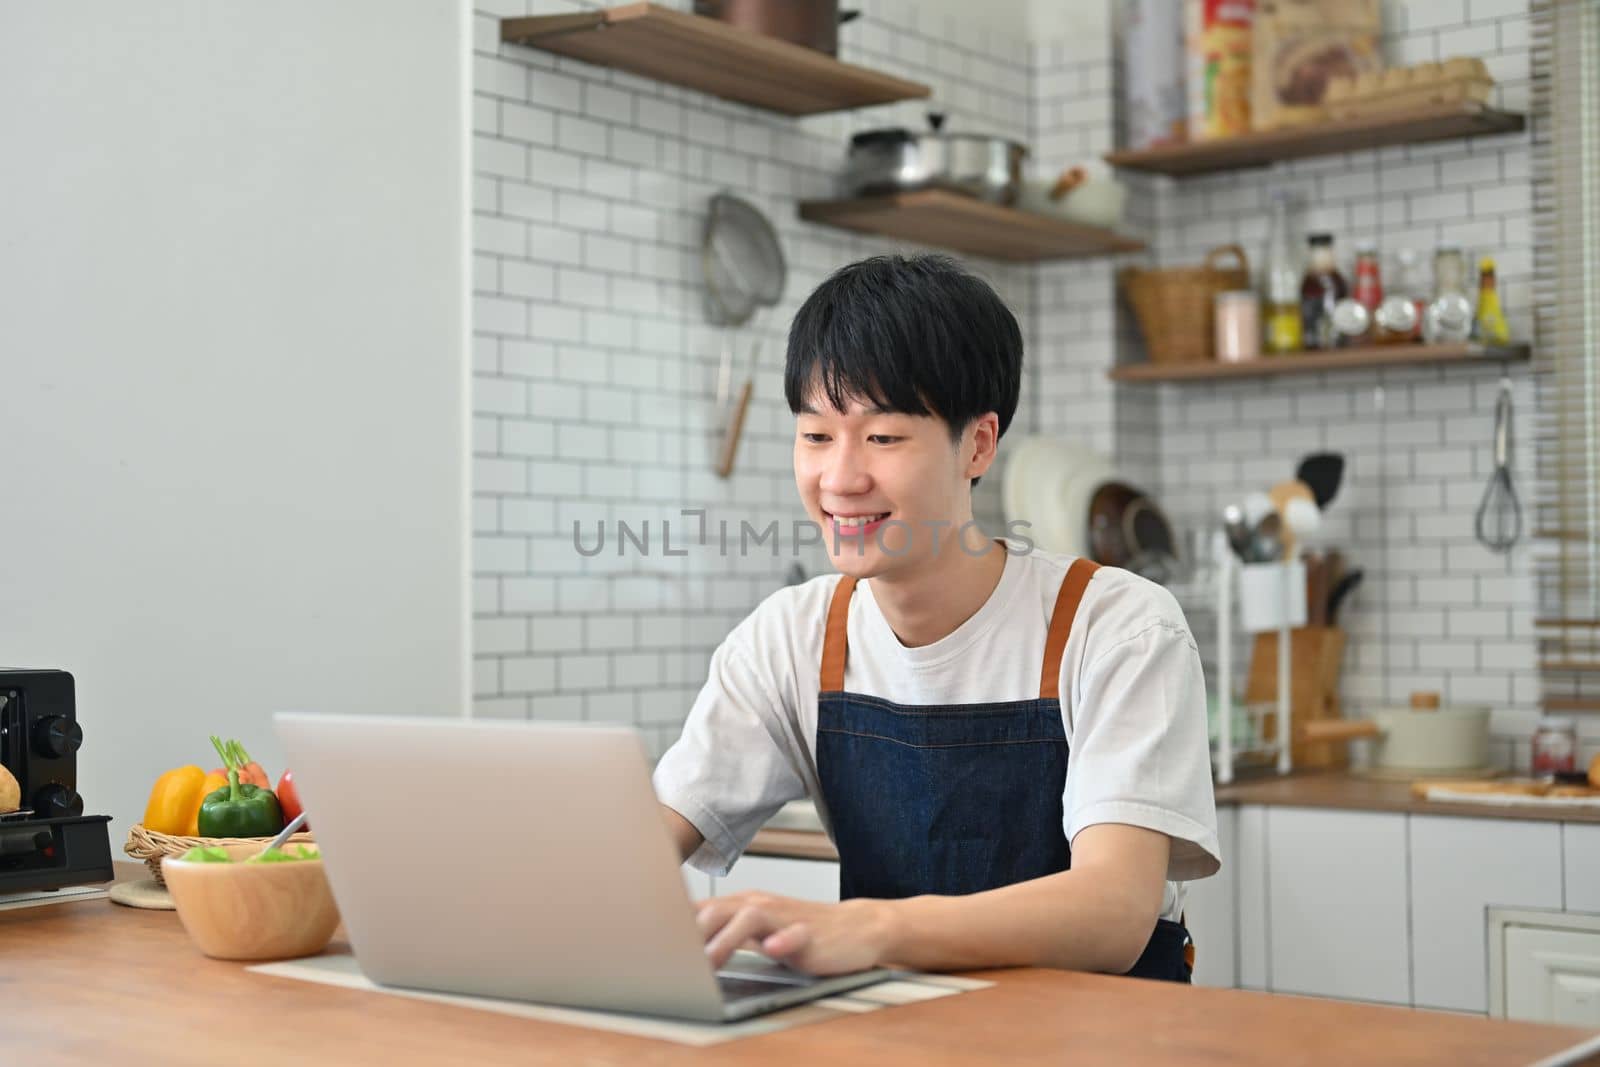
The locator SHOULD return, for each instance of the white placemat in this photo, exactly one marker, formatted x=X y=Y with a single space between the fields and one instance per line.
x=34 y=898
x=340 y=969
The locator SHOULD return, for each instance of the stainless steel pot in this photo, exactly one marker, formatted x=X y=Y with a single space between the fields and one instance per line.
x=897 y=160
x=812 y=23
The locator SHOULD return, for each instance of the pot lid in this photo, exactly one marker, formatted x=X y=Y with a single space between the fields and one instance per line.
x=889 y=135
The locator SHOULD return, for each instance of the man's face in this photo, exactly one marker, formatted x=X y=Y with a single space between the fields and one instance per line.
x=889 y=491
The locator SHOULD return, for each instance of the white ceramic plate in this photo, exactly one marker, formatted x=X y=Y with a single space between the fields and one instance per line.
x=1049 y=483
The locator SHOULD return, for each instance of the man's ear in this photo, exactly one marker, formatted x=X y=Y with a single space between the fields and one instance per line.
x=980 y=444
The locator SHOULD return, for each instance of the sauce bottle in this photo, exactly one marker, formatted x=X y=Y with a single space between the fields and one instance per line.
x=1491 y=324
x=1283 y=332
x=1321 y=290
x=1369 y=283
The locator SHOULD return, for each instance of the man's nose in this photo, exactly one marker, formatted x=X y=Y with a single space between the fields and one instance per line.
x=844 y=472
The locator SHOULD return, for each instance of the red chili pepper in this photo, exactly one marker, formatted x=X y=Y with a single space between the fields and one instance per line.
x=289 y=799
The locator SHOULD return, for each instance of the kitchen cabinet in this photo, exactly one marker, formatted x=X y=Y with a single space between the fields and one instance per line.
x=1545 y=967
x=1581 y=845
x=1250 y=882
x=1396 y=907
x=1336 y=904
x=1209 y=913
x=803 y=879
x=1459 y=868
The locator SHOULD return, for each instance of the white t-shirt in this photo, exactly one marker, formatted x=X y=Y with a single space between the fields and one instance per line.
x=1132 y=699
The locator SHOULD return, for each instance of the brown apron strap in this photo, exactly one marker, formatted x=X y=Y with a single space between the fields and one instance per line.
x=834 y=637
x=1066 y=609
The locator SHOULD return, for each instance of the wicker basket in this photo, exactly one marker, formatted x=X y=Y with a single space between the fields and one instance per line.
x=151 y=846
x=1174 y=305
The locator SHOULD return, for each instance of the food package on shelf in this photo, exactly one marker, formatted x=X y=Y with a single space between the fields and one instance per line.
x=1217 y=44
x=1455 y=81
x=1300 y=46
x=1153 y=100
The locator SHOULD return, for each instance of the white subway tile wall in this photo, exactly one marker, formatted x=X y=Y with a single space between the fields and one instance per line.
x=594 y=368
x=1437 y=610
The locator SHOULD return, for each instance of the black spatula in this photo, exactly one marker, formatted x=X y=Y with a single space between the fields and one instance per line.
x=1322 y=471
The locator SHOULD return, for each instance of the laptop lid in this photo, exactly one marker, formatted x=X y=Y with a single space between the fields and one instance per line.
x=509 y=859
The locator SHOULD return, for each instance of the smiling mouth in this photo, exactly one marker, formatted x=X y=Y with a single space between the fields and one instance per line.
x=855 y=525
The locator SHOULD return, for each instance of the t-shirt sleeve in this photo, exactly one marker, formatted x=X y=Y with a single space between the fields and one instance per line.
x=735 y=763
x=1139 y=752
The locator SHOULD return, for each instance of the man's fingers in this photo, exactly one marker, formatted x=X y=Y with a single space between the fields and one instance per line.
x=790 y=941
x=746 y=923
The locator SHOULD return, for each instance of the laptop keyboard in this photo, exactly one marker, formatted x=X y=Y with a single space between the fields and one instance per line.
x=750 y=979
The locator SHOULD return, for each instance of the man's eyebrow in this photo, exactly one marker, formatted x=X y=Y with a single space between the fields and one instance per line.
x=807 y=409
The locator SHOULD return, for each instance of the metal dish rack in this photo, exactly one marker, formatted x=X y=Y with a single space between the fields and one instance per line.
x=1258 y=598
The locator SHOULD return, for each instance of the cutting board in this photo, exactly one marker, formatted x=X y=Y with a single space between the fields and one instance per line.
x=1315 y=655
x=1507 y=791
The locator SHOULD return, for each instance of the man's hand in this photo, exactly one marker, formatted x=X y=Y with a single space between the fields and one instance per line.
x=810 y=937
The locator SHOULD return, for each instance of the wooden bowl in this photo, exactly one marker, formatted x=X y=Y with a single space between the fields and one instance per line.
x=253 y=911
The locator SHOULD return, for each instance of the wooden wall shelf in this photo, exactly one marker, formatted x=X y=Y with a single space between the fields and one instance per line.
x=1412 y=126
x=1311 y=362
x=964 y=224
x=702 y=53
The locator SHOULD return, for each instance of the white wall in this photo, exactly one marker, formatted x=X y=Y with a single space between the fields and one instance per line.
x=232 y=368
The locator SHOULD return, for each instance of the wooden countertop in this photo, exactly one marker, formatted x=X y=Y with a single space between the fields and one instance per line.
x=1352 y=793
x=1325 y=789
x=92 y=983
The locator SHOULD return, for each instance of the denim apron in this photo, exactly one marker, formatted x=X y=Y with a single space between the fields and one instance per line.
x=955 y=799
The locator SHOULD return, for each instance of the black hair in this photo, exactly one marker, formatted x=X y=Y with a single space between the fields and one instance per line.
x=916 y=335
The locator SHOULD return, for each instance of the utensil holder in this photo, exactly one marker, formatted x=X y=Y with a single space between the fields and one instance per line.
x=1272 y=596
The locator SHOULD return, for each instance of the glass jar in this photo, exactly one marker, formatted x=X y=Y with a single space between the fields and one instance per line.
x=1449 y=315
x=1398 y=317
x=1555 y=746
x=1237 y=317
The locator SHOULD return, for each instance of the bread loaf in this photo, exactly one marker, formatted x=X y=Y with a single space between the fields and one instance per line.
x=10 y=792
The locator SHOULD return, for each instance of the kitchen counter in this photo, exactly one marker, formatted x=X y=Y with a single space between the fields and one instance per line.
x=92 y=982
x=1337 y=789
x=801 y=837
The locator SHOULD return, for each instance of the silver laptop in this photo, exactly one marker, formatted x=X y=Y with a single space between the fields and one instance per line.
x=519 y=860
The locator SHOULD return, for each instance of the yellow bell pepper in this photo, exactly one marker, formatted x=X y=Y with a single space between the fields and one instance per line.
x=174 y=806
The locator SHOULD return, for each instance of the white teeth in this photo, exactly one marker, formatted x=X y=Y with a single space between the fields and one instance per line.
x=859 y=520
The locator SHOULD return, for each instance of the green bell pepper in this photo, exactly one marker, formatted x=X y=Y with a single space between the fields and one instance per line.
x=238 y=809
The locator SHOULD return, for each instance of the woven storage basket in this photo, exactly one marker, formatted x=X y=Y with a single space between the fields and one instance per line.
x=1174 y=304
x=151 y=846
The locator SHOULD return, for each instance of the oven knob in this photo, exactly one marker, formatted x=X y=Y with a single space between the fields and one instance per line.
x=57 y=737
x=56 y=801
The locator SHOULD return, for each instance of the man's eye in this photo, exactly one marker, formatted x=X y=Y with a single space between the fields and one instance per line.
x=882 y=439
x=814 y=438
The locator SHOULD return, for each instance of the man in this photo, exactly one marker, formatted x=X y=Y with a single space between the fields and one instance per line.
x=1008 y=748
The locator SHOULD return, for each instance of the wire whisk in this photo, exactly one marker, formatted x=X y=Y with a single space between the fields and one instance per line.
x=1499 y=523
